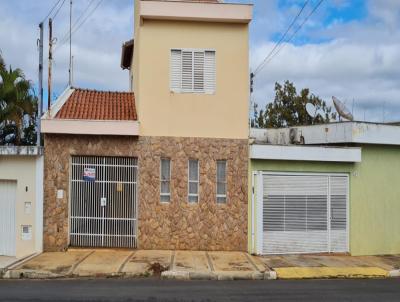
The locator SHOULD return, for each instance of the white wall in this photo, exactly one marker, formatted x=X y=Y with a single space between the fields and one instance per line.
x=27 y=171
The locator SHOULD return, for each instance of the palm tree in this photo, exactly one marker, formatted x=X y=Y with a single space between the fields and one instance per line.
x=17 y=103
x=2 y=64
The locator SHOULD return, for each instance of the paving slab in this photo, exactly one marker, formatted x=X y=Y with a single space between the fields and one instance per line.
x=389 y=262
x=276 y=261
x=6 y=261
x=139 y=263
x=102 y=263
x=59 y=263
x=230 y=261
x=191 y=261
x=260 y=265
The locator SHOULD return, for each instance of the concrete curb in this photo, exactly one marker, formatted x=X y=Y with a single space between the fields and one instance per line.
x=221 y=276
x=331 y=273
x=270 y=275
x=394 y=273
x=30 y=274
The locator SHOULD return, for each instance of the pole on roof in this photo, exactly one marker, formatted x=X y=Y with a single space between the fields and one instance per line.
x=70 y=44
x=50 y=64
x=40 y=105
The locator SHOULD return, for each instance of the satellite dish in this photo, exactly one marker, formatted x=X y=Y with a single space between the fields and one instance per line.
x=341 y=109
x=311 y=110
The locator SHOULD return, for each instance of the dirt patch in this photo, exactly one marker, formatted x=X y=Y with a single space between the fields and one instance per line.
x=156 y=269
x=239 y=266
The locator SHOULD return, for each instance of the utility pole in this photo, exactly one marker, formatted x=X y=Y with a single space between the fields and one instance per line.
x=70 y=43
x=50 y=64
x=72 y=71
x=40 y=107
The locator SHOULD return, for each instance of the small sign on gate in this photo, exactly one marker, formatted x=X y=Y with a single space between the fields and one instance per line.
x=89 y=174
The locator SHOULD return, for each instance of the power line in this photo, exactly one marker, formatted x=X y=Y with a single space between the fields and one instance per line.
x=56 y=13
x=66 y=35
x=281 y=39
x=295 y=32
x=81 y=24
x=51 y=10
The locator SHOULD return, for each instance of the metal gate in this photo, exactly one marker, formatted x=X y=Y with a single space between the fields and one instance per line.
x=304 y=213
x=103 y=208
x=8 y=191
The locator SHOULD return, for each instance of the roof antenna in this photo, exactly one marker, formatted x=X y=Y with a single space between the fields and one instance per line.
x=70 y=44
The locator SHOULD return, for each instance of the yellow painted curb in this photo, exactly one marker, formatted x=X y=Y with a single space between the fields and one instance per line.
x=330 y=272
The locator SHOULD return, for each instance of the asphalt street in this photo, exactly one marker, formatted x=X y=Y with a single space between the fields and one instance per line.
x=165 y=290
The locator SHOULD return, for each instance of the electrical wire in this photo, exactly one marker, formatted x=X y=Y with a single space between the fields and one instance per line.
x=51 y=10
x=56 y=13
x=66 y=35
x=260 y=66
x=80 y=25
x=294 y=33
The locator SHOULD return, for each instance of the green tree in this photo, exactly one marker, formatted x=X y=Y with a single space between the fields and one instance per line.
x=289 y=109
x=2 y=64
x=18 y=107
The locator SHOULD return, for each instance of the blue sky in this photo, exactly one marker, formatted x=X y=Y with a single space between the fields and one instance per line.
x=348 y=48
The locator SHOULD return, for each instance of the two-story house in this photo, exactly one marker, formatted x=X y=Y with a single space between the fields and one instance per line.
x=164 y=166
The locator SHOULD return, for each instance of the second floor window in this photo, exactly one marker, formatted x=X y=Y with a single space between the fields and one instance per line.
x=192 y=71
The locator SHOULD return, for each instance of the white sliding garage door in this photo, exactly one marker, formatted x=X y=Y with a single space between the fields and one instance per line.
x=8 y=191
x=304 y=213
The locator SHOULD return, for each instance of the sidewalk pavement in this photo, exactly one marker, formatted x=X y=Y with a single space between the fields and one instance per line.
x=5 y=261
x=191 y=265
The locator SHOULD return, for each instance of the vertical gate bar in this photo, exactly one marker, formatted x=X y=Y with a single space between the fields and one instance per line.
x=82 y=188
x=85 y=206
x=103 y=208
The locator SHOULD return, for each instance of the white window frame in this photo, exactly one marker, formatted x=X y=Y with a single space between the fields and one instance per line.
x=194 y=181
x=161 y=181
x=193 y=91
x=226 y=183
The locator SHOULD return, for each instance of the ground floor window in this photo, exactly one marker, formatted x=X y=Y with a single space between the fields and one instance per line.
x=165 y=179
x=193 y=176
x=221 y=181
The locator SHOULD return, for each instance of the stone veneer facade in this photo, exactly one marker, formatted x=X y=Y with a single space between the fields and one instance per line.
x=176 y=225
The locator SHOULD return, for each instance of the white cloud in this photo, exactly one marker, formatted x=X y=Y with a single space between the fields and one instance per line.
x=96 y=45
x=359 y=62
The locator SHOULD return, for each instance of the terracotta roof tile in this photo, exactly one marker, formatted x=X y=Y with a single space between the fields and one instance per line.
x=99 y=105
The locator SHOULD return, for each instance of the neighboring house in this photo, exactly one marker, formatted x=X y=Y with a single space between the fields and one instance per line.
x=21 y=201
x=325 y=188
x=165 y=166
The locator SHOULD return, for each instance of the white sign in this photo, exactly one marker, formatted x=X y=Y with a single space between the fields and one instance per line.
x=26 y=233
x=103 y=201
x=60 y=194
x=89 y=174
x=28 y=207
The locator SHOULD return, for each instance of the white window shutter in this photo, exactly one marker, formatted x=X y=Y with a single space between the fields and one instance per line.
x=187 y=71
x=193 y=71
x=198 y=71
x=176 y=70
x=209 y=72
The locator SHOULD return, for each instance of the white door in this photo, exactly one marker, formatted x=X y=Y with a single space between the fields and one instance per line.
x=7 y=217
x=304 y=213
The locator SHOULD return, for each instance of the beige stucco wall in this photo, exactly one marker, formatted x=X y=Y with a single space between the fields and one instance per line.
x=163 y=113
x=22 y=169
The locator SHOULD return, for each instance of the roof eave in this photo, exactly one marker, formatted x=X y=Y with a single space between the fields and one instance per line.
x=127 y=54
x=196 y=11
